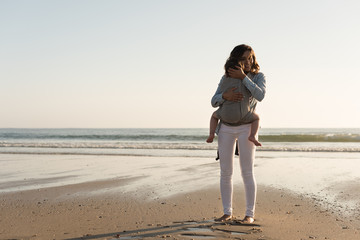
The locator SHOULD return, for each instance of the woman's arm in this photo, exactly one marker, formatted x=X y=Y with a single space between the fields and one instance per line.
x=229 y=95
x=257 y=86
x=217 y=99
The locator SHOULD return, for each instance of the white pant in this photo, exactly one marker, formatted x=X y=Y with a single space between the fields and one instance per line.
x=227 y=137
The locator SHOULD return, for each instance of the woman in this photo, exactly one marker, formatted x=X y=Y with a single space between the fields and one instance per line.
x=228 y=133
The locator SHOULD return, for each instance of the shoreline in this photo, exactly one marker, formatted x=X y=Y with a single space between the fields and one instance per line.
x=75 y=212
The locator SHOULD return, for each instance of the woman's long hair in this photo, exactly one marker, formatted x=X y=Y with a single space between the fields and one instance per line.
x=235 y=57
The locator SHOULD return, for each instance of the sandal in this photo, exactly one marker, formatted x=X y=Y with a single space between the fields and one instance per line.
x=224 y=218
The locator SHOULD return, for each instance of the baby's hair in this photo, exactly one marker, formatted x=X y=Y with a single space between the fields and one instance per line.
x=231 y=63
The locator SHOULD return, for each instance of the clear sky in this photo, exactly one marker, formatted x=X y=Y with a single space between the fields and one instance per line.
x=132 y=63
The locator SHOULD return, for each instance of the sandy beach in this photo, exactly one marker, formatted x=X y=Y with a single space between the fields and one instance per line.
x=169 y=198
x=72 y=212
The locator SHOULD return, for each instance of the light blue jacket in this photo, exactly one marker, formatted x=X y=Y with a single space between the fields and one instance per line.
x=256 y=84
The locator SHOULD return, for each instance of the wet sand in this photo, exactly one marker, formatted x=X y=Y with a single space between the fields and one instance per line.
x=84 y=211
x=300 y=196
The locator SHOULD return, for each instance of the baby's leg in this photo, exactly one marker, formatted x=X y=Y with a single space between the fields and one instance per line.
x=254 y=130
x=213 y=124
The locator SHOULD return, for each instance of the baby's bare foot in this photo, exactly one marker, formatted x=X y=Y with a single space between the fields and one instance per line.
x=256 y=142
x=210 y=138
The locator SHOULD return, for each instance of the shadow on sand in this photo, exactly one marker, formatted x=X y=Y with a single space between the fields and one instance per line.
x=207 y=229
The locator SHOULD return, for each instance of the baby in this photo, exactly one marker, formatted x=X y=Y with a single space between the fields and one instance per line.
x=234 y=112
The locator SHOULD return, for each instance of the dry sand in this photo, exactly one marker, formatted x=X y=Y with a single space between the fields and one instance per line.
x=83 y=211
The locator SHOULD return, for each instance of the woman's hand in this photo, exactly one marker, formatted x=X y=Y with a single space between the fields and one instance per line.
x=237 y=73
x=231 y=95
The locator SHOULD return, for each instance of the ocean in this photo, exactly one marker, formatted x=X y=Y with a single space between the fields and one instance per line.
x=179 y=142
x=318 y=163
